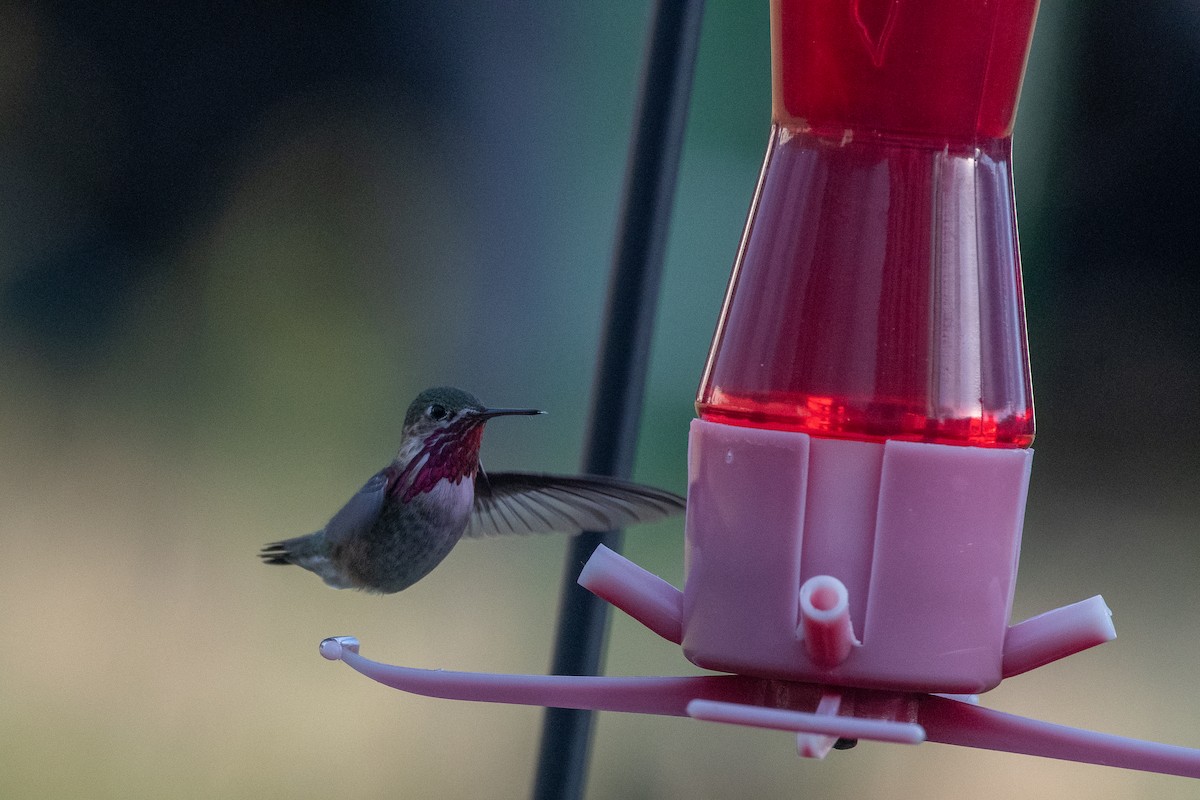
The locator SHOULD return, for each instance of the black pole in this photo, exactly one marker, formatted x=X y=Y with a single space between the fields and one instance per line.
x=617 y=393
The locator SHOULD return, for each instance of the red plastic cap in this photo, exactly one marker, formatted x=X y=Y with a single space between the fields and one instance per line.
x=941 y=68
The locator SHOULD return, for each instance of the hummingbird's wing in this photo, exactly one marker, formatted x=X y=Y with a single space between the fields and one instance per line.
x=519 y=502
x=361 y=511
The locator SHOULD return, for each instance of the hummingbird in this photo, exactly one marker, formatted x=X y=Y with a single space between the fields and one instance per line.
x=408 y=516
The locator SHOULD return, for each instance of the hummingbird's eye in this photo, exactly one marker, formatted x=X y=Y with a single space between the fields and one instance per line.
x=436 y=412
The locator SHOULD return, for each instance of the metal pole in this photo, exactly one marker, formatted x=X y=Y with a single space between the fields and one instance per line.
x=617 y=393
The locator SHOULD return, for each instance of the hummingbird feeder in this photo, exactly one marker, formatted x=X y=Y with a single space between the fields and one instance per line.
x=858 y=472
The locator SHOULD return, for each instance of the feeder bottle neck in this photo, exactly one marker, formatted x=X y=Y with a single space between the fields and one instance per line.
x=937 y=70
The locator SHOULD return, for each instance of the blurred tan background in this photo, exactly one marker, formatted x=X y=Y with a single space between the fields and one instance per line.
x=235 y=241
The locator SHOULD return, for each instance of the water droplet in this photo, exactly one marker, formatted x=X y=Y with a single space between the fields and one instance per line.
x=333 y=647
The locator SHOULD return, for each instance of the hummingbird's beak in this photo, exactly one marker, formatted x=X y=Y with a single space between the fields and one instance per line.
x=488 y=413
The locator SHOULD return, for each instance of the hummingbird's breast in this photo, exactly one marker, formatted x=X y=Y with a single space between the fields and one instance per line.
x=454 y=498
x=412 y=537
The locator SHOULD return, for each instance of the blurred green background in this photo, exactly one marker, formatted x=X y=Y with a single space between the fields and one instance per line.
x=235 y=240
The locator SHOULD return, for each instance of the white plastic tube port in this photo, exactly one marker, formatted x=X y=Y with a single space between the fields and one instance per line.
x=825 y=620
x=642 y=595
x=1057 y=634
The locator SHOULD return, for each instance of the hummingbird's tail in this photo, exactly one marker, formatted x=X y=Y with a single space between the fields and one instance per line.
x=297 y=550
x=310 y=552
x=275 y=553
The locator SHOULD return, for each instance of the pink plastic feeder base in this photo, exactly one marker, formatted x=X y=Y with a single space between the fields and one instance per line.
x=924 y=538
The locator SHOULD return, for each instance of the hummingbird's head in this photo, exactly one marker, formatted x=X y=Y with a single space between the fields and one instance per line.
x=445 y=408
x=443 y=428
